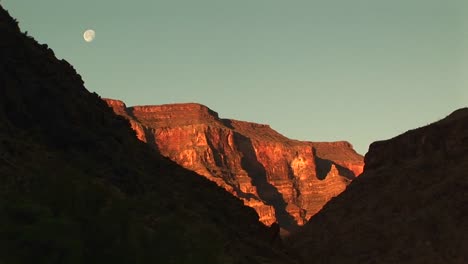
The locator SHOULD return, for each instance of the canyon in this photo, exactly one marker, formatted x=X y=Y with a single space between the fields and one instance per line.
x=286 y=181
x=80 y=184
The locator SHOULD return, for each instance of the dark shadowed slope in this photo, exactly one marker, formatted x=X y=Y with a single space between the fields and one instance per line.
x=408 y=206
x=76 y=186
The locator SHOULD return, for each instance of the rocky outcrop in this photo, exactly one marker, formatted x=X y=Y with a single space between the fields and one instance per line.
x=285 y=181
x=408 y=206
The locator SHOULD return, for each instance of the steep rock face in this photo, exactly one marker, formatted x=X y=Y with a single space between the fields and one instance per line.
x=408 y=206
x=285 y=181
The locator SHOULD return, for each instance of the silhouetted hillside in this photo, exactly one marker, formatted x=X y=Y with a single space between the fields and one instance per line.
x=408 y=206
x=76 y=186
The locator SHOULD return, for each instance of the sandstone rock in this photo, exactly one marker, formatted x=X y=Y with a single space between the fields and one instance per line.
x=285 y=181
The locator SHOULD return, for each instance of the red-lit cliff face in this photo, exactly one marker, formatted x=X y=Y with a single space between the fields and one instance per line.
x=285 y=181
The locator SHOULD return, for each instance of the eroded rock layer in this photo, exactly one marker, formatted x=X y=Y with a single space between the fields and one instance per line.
x=285 y=181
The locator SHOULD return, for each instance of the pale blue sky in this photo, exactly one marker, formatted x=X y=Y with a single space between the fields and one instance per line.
x=356 y=70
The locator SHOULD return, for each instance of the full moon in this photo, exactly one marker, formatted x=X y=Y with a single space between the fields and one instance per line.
x=89 y=35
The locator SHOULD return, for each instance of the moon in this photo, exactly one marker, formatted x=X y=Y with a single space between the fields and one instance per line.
x=89 y=35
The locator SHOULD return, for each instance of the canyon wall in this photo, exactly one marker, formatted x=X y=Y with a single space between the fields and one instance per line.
x=285 y=181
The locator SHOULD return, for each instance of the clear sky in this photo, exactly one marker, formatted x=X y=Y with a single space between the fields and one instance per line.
x=355 y=70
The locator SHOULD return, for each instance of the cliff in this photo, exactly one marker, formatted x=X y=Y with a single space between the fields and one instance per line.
x=77 y=186
x=285 y=181
x=408 y=206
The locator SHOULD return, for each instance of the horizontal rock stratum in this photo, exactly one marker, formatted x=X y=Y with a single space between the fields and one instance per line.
x=286 y=181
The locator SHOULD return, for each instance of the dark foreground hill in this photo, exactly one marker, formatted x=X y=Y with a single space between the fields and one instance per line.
x=410 y=205
x=77 y=186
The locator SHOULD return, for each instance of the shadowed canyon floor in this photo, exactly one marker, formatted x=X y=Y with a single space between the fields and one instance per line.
x=285 y=181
